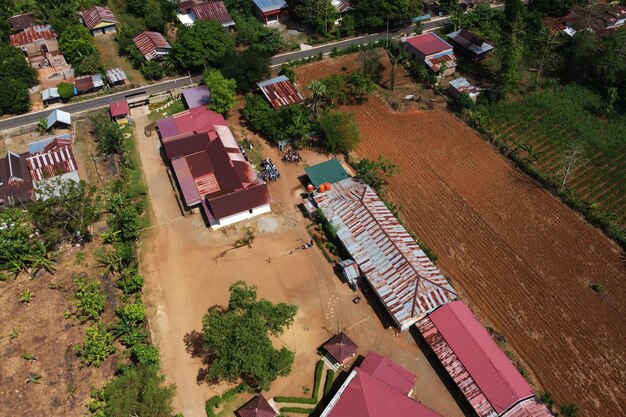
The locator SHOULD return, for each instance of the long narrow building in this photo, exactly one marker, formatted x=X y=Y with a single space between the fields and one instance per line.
x=405 y=280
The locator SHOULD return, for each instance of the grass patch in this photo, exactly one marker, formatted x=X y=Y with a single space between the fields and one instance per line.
x=328 y=384
x=319 y=369
x=298 y=410
x=175 y=107
x=136 y=184
x=224 y=401
x=108 y=49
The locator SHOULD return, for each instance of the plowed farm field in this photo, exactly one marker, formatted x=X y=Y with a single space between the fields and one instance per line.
x=520 y=258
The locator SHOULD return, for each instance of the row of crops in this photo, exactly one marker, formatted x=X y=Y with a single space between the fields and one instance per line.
x=553 y=121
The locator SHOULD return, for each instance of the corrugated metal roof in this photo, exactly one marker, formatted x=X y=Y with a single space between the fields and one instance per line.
x=56 y=159
x=119 y=108
x=116 y=75
x=84 y=83
x=428 y=43
x=435 y=62
x=328 y=171
x=389 y=372
x=470 y=41
x=148 y=43
x=530 y=407
x=270 y=5
x=98 y=14
x=341 y=347
x=406 y=281
x=32 y=34
x=474 y=360
x=208 y=10
x=50 y=93
x=365 y=395
x=257 y=407
x=349 y=268
x=21 y=21
x=342 y=5
x=197 y=96
x=59 y=116
x=279 y=91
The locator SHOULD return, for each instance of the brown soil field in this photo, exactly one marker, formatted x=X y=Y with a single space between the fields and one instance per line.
x=522 y=259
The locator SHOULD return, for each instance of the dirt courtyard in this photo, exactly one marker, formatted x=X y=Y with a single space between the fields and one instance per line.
x=186 y=275
x=522 y=260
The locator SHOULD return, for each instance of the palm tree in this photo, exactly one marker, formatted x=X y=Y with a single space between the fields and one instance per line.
x=318 y=90
x=111 y=262
x=39 y=261
x=128 y=332
x=42 y=125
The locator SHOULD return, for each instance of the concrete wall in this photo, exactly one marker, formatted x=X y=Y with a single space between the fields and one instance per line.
x=239 y=217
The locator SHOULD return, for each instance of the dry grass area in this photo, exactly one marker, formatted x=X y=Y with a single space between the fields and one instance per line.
x=108 y=49
x=188 y=269
x=523 y=260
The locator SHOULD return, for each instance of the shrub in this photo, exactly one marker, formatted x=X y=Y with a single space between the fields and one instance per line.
x=297 y=410
x=597 y=287
x=66 y=91
x=295 y=400
x=145 y=354
x=211 y=404
x=96 y=347
x=130 y=282
x=328 y=384
x=134 y=312
x=89 y=299
x=319 y=368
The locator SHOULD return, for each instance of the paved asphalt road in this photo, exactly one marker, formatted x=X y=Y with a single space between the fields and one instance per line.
x=162 y=87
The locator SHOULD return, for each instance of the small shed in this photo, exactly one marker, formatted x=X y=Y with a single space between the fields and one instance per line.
x=462 y=86
x=88 y=83
x=116 y=76
x=153 y=45
x=350 y=270
x=341 y=348
x=271 y=11
x=330 y=171
x=50 y=95
x=257 y=407
x=99 y=20
x=119 y=111
x=22 y=21
x=279 y=91
x=59 y=118
x=196 y=96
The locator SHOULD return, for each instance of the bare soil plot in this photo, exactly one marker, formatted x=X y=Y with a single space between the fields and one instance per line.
x=188 y=269
x=108 y=49
x=522 y=259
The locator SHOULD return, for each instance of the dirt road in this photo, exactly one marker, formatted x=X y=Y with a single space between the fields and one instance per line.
x=522 y=259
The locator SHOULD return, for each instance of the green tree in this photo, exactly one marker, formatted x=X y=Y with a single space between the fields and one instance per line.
x=263 y=118
x=376 y=173
x=555 y=8
x=203 y=44
x=246 y=68
x=17 y=240
x=296 y=123
x=66 y=91
x=133 y=312
x=139 y=392
x=145 y=355
x=65 y=209
x=319 y=14
x=154 y=18
x=568 y=410
x=151 y=70
x=513 y=46
x=77 y=43
x=375 y=14
x=14 y=97
x=341 y=132
x=89 y=299
x=13 y=66
x=222 y=91
x=108 y=135
x=90 y=64
x=359 y=86
x=137 y=8
x=398 y=57
x=96 y=347
x=334 y=89
x=238 y=338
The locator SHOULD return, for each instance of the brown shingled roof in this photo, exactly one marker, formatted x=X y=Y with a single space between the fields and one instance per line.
x=256 y=407
x=341 y=347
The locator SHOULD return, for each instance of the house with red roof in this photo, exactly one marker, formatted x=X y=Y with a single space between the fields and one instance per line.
x=484 y=374
x=257 y=407
x=99 y=20
x=40 y=45
x=210 y=169
x=152 y=45
x=191 y=10
x=340 y=348
x=119 y=111
x=434 y=52
x=378 y=387
x=16 y=184
x=280 y=91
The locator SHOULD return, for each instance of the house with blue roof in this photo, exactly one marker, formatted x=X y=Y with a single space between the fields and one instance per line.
x=271 y=11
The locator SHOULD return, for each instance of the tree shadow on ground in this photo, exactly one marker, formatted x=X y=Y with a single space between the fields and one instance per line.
x=194 y=346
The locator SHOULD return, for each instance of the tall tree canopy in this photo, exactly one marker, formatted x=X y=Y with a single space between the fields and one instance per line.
x=374 y=14
x=555 y=8
x=203 y=44
x=222 y=91
x=341 y=132
x=238 y=338
x=319 y=14
x=246 y=68
x=77 y=43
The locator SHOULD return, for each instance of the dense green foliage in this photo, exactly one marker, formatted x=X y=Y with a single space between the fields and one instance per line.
x=376 y=14
x=376 y=173
x=65 y=90
x=540 y=119
x=89 y=299
x=217 y=400
x=203 y=44
x=16 y=76
x=107 y=134
x=250 y=32
x=65 y=210
x=319 y=14
x=246 y=68
x=96 y=347
x=328 y=383
x=138 y=391
x=152 y=70
x=238 y=338
x=297 y=410
x=341 y=132
x=79 y=49
x=222 y=91
x=555 y=8
x=19 y=249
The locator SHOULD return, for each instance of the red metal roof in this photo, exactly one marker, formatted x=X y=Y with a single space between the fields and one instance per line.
x=21 y=21
x=389 y=372
x=208 y=10
x=56 y=158
x=341 y=347
x=119 y=108
x=84 y=83
x=256 y=407
x=406 y=281
x=530 y=407
x=198 y=120
x=280 y=92
x=148 y=42
x=366 y=395
x=15 y=179
x=98 y=14
x=487 y=378
x=32 y=34
x=429 y=43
